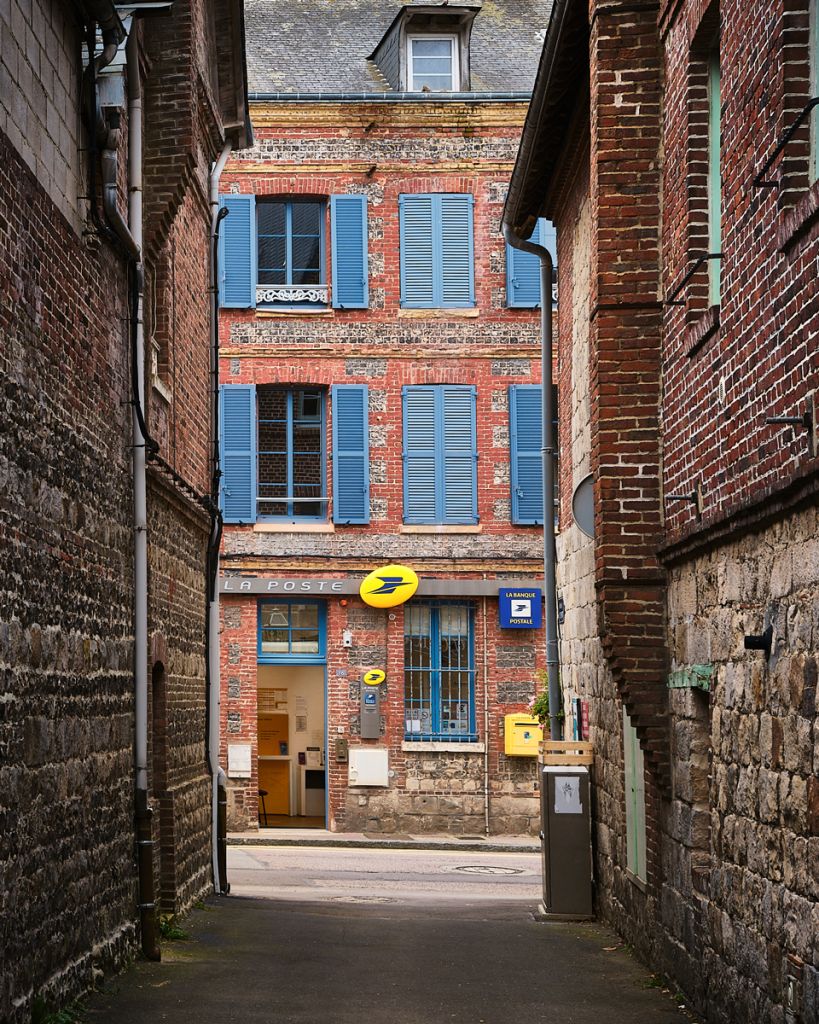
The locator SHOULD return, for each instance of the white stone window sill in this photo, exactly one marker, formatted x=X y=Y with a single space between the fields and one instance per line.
x=293 y=311
x=294 y=528
x=442 y=747
x=437 y=314
x=161 y=389
x=440 y=528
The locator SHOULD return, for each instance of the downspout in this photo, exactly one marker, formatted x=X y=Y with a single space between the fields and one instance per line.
x=484 y=610
x=218 y=777
x=130 y=235
x=549 y=549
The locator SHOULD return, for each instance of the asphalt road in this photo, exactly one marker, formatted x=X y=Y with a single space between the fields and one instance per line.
x=384 y=876
x=384 y=937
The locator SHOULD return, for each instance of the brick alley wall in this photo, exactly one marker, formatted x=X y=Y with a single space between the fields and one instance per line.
x=727 y=909
x=738 y=907
x=66 y=520
x=66 y=725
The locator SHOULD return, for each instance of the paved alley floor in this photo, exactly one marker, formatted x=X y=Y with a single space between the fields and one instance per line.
x=386 y=937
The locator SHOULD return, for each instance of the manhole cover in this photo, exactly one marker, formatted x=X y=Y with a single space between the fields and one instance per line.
x=487 y=869
x=359 y=899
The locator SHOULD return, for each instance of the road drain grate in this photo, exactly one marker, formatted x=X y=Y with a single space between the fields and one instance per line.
x=487 y=869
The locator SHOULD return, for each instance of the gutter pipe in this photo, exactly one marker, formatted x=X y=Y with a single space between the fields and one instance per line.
x=218 y=777
x=390 y=97
x=548 y=451
x=130 y=236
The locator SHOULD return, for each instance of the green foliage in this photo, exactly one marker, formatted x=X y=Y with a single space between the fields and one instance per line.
x=40 y=1013
x=170 y=930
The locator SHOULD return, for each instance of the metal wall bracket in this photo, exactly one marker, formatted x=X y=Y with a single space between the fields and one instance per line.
x=695 y=497
x=808 y=421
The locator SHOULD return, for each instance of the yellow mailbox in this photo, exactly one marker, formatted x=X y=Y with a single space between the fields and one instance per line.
x=521 y=734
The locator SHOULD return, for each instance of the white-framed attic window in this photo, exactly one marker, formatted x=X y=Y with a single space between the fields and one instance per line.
x=432 y=63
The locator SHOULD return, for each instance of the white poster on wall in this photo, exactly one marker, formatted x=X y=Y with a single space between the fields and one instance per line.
x=239 y=760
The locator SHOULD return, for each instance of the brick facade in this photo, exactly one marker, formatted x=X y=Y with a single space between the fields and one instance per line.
x=660 y=400
x=383 y=150
x=66 y=527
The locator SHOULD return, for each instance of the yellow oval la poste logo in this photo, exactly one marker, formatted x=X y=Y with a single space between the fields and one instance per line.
x=388 y=586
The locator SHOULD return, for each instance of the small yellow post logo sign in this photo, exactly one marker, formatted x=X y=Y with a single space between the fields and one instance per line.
x=388 y=587
x=374 y=677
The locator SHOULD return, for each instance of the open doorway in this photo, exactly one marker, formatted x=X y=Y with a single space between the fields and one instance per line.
x=291 y=746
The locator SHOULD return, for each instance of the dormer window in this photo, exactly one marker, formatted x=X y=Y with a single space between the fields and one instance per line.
x=426 y=48
x=432 y=63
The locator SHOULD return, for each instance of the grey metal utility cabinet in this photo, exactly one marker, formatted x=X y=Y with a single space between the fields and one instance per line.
x=566 y=841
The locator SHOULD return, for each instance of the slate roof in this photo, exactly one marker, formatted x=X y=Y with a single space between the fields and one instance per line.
x=312 y=46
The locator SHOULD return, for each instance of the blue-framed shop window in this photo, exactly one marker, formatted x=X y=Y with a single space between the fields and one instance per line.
x=292 y=630
x=292 y=457
x=436 y=251
x=439 y=672
x=440 y=453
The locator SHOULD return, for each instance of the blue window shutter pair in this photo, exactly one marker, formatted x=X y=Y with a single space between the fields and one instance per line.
x=238 y=252
x=523 y=268
x=436 y=251
x=440 y=454
x=351 y=454
x=237 y=438
x=351 y=463
x=526 y=442
x=348 y=234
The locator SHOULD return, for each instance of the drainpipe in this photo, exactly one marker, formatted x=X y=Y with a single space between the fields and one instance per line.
x=130 y=235
x=218 y=788
x=484 y=610
x=549 y=550
x=147 y=902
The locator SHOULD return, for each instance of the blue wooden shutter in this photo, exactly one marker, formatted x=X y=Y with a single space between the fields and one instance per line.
x=420 y=435
x=458 y=455
x=526 y=443
x=348 y=225
x=456 y=261
x=238 y=452
x=351 y=455
x=416 y=242
x=523 y=272
x=237 y=253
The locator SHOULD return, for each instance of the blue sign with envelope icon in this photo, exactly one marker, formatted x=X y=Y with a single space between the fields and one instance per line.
x=520 y=608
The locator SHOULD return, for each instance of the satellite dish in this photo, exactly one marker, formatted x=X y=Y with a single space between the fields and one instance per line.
x=583 y=505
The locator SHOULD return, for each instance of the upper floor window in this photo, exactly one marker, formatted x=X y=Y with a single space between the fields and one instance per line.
x=714 y=178
x=437 y=269
x=291 y=482
x=440 y=454
x=433 y=63
x=273 y=454
x=272 y=252
x=290 y=239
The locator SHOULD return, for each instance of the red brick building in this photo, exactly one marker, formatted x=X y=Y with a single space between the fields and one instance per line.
x=674 y=146
x=380 y=371
x=105 y=223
